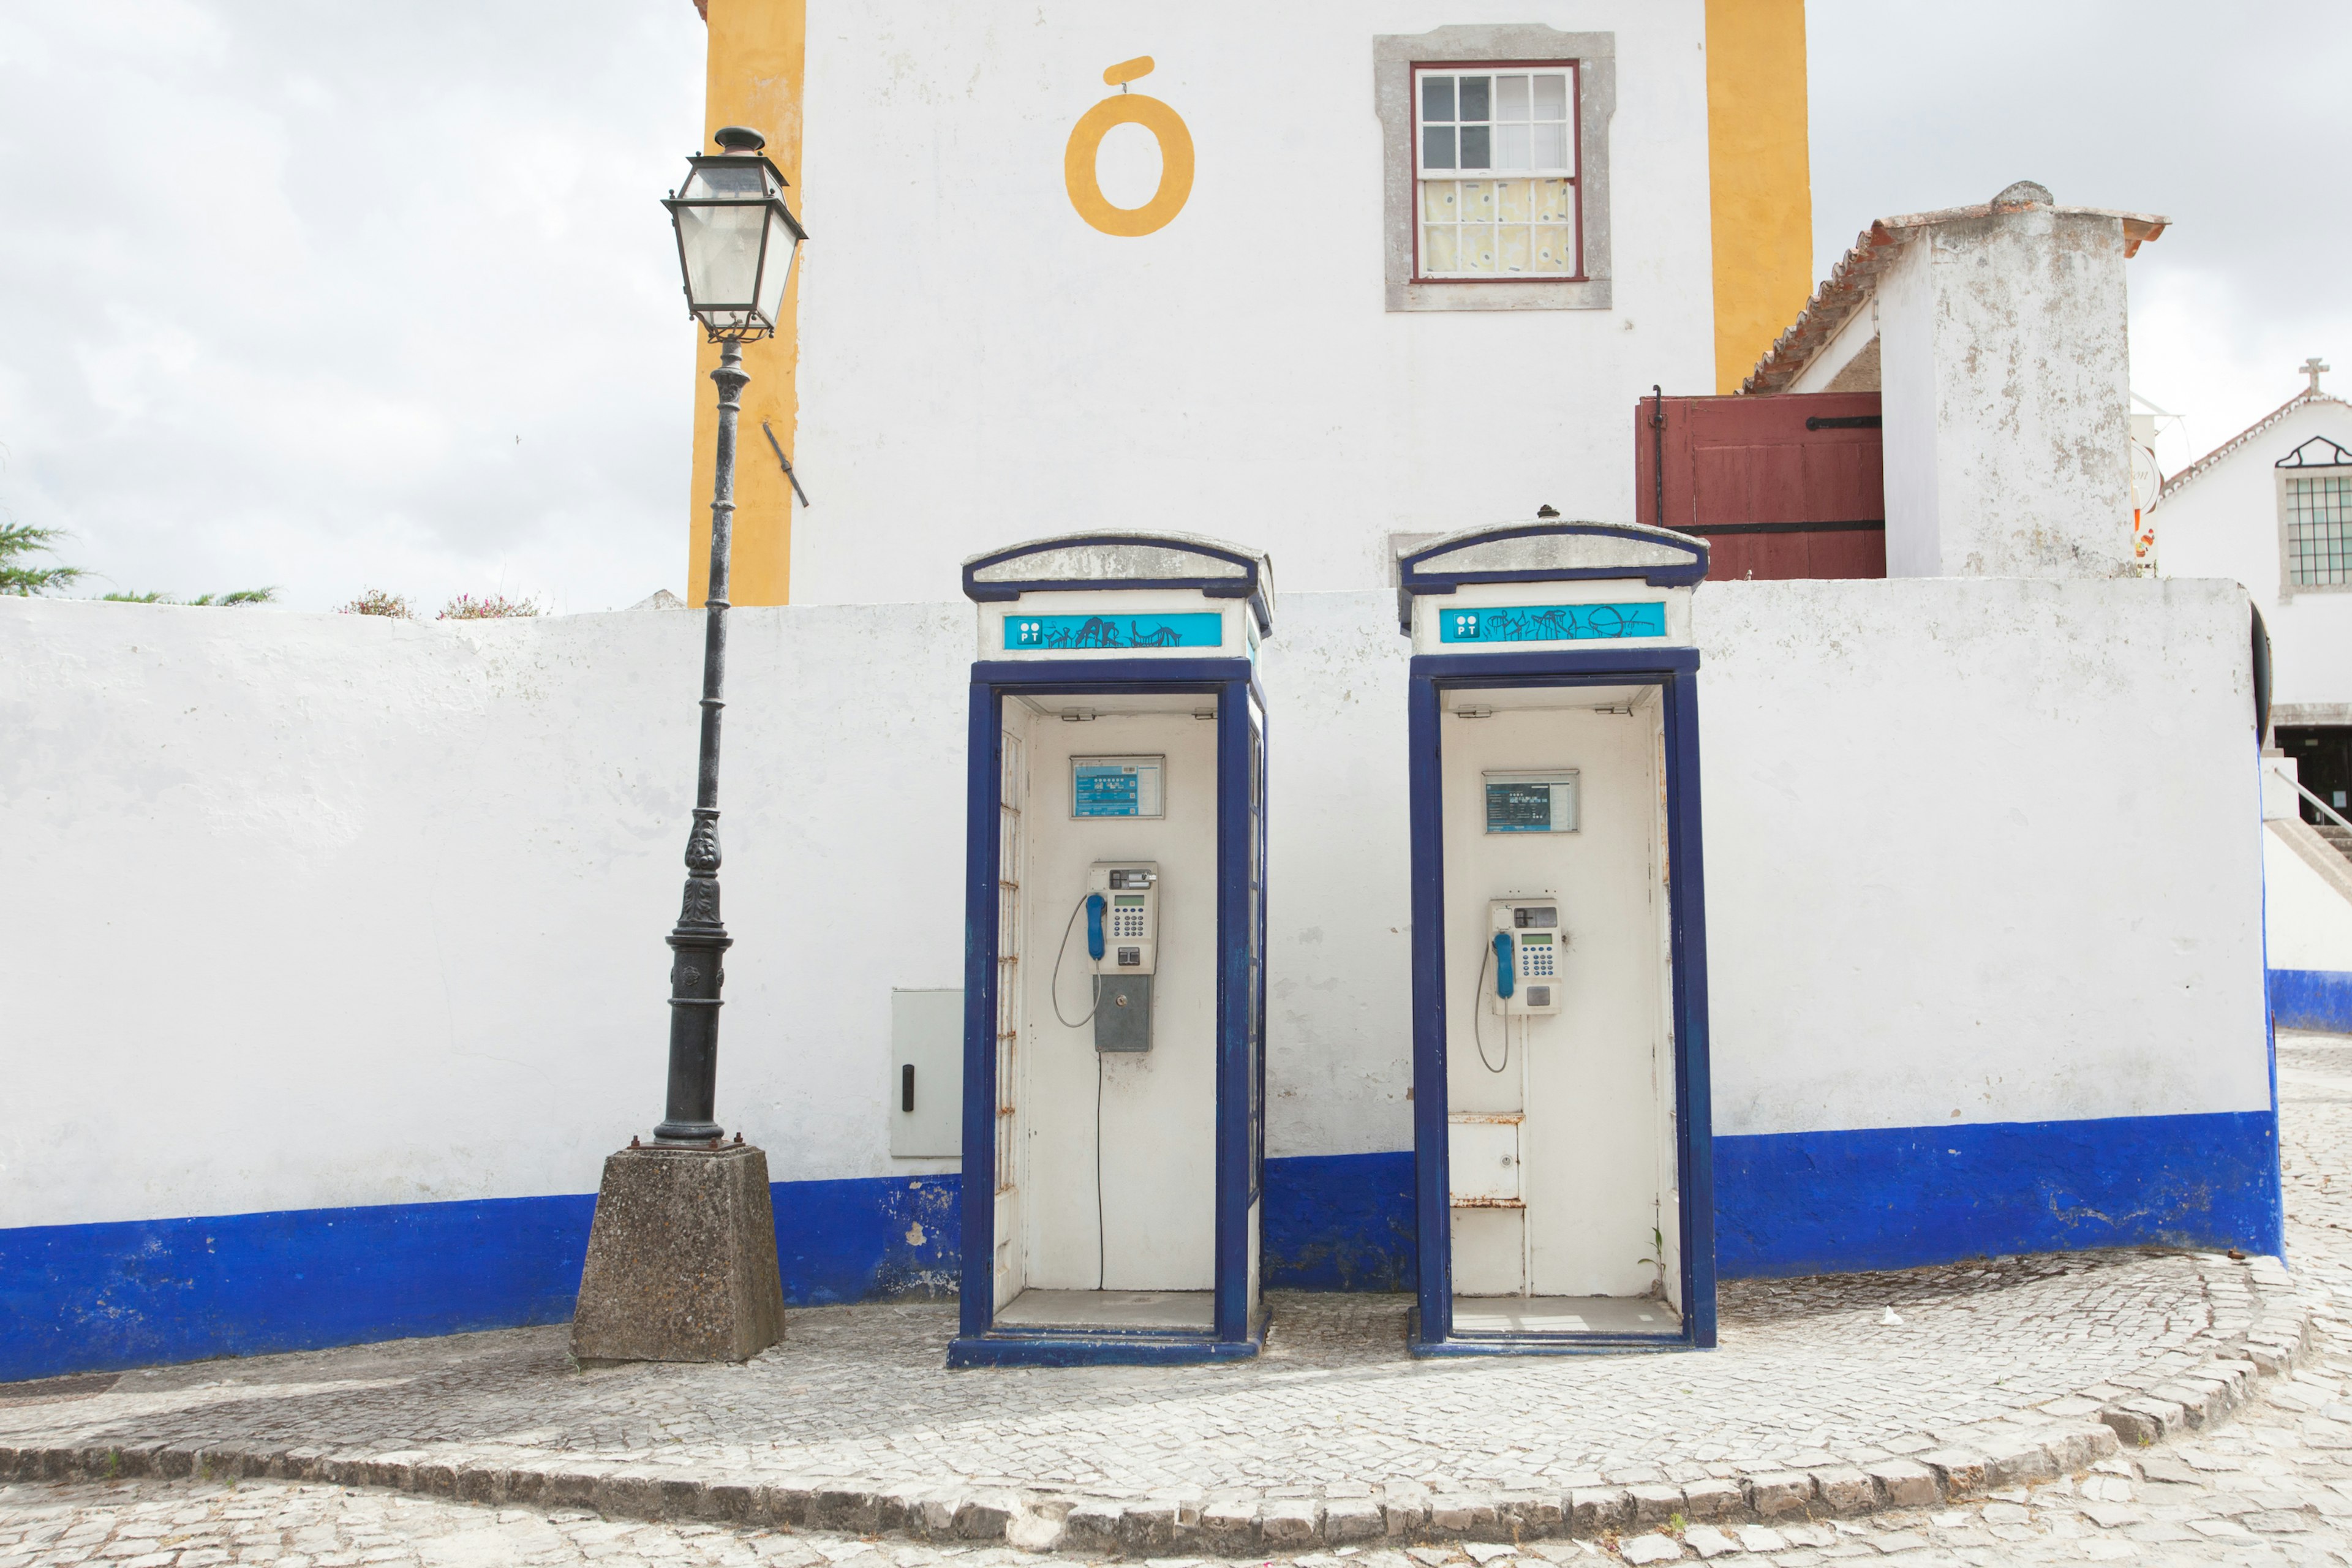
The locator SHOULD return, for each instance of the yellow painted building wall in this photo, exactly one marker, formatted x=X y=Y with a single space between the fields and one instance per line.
x=1760 y=173
x=1760 y=208
x=756 y=60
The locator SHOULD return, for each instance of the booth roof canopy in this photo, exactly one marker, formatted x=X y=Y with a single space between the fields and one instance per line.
x=1549 y=551
x=1104 y=559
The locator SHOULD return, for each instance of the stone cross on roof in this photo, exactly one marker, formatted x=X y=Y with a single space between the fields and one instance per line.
x=2311 y=367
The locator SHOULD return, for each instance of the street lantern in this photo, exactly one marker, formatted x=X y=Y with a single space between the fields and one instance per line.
x=736 y=236
x=681 y=1261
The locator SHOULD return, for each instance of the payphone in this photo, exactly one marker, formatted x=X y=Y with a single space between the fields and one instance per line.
x=1114 y=1099
x=1527 y=949
x=1121 y=906
x=1563 y=1190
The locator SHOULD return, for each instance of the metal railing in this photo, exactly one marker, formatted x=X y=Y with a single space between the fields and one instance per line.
x=2332 y=813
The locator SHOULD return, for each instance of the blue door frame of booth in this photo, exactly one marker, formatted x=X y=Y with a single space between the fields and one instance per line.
x=1240 y=1072
x=1675 y=671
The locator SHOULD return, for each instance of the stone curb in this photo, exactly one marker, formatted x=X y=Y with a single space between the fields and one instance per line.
x=2272 y=1343
x=1227 y=1524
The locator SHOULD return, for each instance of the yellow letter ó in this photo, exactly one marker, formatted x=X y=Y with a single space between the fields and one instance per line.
x=1167 y=128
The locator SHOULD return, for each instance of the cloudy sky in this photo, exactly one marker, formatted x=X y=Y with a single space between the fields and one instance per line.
x=334 y=295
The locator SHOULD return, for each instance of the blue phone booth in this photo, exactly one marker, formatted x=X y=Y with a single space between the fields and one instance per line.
x=1114 y=1129
x=1563 y=1184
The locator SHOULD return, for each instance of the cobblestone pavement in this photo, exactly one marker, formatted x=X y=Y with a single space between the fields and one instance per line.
x=2274 y=1484
x=1810 y=1373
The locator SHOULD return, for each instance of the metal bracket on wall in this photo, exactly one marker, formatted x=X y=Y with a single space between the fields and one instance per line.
x=777 y=449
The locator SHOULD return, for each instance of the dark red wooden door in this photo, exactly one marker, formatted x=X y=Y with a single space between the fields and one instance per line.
x=1784 y=485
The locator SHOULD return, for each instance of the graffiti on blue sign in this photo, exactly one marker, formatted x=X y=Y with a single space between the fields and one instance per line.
x=1552 y=622
x=1089 y=633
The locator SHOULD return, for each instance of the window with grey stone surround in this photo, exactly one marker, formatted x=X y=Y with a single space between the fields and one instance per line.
x=1467 y=258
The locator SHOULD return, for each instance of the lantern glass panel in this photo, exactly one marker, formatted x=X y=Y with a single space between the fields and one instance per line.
x=721 y=243
x=783 y=245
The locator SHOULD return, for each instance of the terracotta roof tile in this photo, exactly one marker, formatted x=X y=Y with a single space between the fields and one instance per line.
x=2302 y=399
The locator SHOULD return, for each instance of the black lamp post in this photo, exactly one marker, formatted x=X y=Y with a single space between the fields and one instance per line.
x=736 y=243
x=681 y=1262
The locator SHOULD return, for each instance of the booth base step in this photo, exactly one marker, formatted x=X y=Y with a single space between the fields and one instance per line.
x=1184 y=1310
x=1564 y=1315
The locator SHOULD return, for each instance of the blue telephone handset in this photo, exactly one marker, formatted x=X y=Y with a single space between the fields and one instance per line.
x=1095 y=906
x=1506 y=980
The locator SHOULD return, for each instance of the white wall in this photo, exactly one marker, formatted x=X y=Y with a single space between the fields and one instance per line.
x=2309 y=921
x=1979 y=851
x=2225 y=523
x=306 y=910
x=974 y=357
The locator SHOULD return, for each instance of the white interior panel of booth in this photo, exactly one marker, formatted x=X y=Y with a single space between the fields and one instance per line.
x=1158 y=1108
x=1595 y=1082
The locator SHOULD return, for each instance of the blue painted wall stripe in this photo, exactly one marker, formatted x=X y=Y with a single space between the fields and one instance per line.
x=97 y=1296
x=93 y=1298
x=1811 y=1203
x=2311 y=999
x=90 y=1298
x=1339 y=1221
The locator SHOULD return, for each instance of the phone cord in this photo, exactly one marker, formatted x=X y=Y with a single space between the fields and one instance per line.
x=1478 y=1011
x=1054 y=987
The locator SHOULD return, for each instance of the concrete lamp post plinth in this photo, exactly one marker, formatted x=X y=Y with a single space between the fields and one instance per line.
x=681 y=1259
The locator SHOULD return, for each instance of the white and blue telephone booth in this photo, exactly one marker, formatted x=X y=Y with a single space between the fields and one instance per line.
x=1563 y=1187
x=1114 y=952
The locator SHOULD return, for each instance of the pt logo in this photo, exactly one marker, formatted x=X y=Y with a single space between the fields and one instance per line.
x=1029 y=634
x=1167 y=128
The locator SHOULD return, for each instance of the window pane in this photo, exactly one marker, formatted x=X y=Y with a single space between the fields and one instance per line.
x=1475 y=97
x=1550 y=201
x=1477 y=248
x=1477 y=201
x=1513 y=248
x=1437 y=146
x=1510 y=98
x=1437 y=98
x=1555 y=249
x=1551 y=98
x=1511 y=200
x=1474 y=153
x=1437 y=202
x=1511 y=145
x=2319 y=529
x=1550 y=149
x=1437 y=252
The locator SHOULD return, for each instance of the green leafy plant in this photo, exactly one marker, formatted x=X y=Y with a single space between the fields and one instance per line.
x=239 y=596
x=19 y=540
x=376 y=602
x=1657 y=1261
x=488 y=607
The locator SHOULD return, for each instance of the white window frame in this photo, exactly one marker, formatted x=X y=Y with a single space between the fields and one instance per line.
x=2288 y=585
x=1395 y=58
x=1423 y=70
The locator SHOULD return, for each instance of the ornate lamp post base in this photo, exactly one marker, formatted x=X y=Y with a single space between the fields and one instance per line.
x=682 y=1259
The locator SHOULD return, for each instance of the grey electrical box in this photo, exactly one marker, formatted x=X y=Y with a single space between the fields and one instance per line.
x=925 y=1074
x=1123 y=1014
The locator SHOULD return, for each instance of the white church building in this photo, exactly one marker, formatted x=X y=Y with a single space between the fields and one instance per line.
x=2272 y=508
